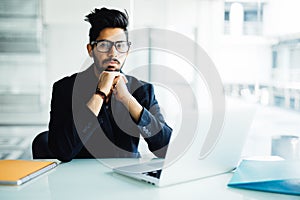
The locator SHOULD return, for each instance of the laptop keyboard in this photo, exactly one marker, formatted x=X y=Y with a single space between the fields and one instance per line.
x=155 y=174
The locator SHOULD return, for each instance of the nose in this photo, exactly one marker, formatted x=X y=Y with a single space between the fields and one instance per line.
x=113 y=51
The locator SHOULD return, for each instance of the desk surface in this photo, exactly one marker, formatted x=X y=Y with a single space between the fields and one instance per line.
x=91 y=179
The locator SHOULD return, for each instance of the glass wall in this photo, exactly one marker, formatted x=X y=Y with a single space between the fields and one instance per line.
x=22 y=61
x=268 y=19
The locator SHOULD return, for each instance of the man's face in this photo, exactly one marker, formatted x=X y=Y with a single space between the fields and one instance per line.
x=111 y=60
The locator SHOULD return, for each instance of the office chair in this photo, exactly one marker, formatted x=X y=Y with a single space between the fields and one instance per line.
x=40 y=149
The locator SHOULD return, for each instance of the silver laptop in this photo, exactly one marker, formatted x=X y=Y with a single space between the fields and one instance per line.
x=191 y=163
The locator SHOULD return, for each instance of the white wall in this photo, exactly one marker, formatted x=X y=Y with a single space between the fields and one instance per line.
x=239 y=59
x=282 y=17
x=244 y=60
x=73 y=12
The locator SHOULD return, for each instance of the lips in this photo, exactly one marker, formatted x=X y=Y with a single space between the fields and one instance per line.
x=112 y=64
x=111 y=68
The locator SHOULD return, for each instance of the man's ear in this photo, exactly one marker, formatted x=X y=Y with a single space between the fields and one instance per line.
x=90 y=50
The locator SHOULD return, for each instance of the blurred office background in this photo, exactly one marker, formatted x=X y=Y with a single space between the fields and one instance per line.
x=255 y=45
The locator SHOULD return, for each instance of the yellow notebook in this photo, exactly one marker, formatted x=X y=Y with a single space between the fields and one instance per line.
x=17 y=172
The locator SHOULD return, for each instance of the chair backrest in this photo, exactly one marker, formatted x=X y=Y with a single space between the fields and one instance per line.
x=40 y=149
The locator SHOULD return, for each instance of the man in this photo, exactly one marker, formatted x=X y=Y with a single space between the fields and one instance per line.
x=101 y=112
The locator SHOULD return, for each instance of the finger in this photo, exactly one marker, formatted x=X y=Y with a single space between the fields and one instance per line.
x=111 y=72
x=115 y=92
x=116 y=81
x=114 y=74
x=124 y=78
x=111 y=75
x=115 y=85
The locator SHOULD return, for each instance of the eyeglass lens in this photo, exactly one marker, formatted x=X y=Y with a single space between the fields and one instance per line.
x=105 y=46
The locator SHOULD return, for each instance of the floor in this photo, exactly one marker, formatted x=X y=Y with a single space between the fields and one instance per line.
x=15 y=141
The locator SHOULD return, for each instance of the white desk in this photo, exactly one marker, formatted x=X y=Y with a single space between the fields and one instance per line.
x=88 y=179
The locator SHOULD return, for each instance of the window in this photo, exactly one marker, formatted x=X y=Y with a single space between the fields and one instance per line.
x=252 y=17
x=274 y=59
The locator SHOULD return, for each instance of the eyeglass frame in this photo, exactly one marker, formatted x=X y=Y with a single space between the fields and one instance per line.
x=113 y=44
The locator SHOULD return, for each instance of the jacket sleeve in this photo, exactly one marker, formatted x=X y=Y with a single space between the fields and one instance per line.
x=66 y=135
x=151 y=124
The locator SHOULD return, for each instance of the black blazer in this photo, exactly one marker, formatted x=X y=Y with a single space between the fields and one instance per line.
x=75 y=132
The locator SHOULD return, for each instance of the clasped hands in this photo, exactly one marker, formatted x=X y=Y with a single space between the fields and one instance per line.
x=114 y=83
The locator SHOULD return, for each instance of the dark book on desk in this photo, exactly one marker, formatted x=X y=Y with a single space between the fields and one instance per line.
x=17 y=172
x=269 y=176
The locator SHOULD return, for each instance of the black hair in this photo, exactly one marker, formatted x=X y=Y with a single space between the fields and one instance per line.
x=106 y=18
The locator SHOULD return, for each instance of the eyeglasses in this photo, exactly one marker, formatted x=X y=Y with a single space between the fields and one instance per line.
x=105 y=46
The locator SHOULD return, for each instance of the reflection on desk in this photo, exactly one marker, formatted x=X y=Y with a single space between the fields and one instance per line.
x=91 y=179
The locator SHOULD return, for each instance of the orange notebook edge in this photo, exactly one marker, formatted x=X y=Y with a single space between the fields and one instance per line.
x=31 y=175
